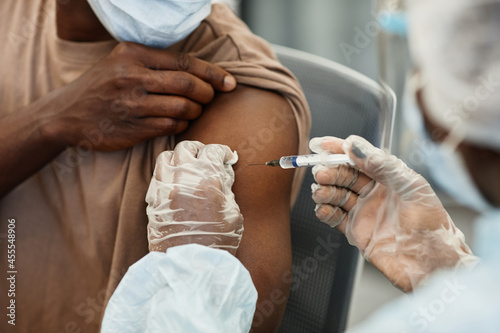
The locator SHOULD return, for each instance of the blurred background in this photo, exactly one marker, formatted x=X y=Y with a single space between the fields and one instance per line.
x=359 y=35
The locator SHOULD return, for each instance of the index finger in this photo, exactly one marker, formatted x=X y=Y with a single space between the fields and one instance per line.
x=157 y=59
x=341 y=175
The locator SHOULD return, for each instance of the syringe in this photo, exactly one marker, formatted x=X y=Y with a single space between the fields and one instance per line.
x=297 y=161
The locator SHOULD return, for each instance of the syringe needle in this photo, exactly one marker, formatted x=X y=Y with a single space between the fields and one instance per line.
x=256 y=164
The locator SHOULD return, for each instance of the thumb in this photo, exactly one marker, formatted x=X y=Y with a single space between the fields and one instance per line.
x=219 y=154
x=326 y=144
x=382 y=167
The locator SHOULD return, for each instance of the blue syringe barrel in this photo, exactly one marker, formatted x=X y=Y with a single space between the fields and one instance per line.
x=289 y=162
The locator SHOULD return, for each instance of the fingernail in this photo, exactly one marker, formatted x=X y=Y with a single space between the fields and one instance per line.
x=229 y=82
x=357 y=152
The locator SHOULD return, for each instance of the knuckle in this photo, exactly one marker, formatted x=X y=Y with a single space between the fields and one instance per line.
x=322 y=194
x=182 y=109
x=339 y=194
x=127 y=82
x=183 y=62
x=211 y=74
x=348 y=177
x=122 y=82
x=131 y=104
x=164 y=108
x=324 y=176
x=174 y=109
x=343 y=175
x=126 y=104
x=122 y=77
x=124 y=49
x=330 y=194
x=170 y=126
x=185 y=84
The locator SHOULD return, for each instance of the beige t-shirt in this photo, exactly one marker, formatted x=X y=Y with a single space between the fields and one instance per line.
x=81 y=221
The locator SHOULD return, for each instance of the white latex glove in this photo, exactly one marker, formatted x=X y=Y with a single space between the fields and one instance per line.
x=190 y=198
x=388 y=211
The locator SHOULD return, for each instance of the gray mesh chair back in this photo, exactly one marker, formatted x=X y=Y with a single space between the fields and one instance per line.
x=342 y=102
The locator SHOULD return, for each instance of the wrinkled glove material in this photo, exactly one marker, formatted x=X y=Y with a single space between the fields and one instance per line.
x=190 y=288
x=190 y=198
x=397 y=221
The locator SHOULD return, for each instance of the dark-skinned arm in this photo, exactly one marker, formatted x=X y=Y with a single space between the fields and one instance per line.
x=260 y=126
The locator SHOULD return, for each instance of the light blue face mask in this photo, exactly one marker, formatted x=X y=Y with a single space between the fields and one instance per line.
x=155 y=23
x=487 y=236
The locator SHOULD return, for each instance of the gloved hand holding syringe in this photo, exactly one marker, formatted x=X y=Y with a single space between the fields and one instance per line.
x=297 y=161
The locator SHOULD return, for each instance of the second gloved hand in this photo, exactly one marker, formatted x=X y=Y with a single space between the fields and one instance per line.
x=388 y=211
x=190 y=198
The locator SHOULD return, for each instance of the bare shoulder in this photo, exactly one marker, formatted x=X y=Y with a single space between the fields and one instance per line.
x=260 y=126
